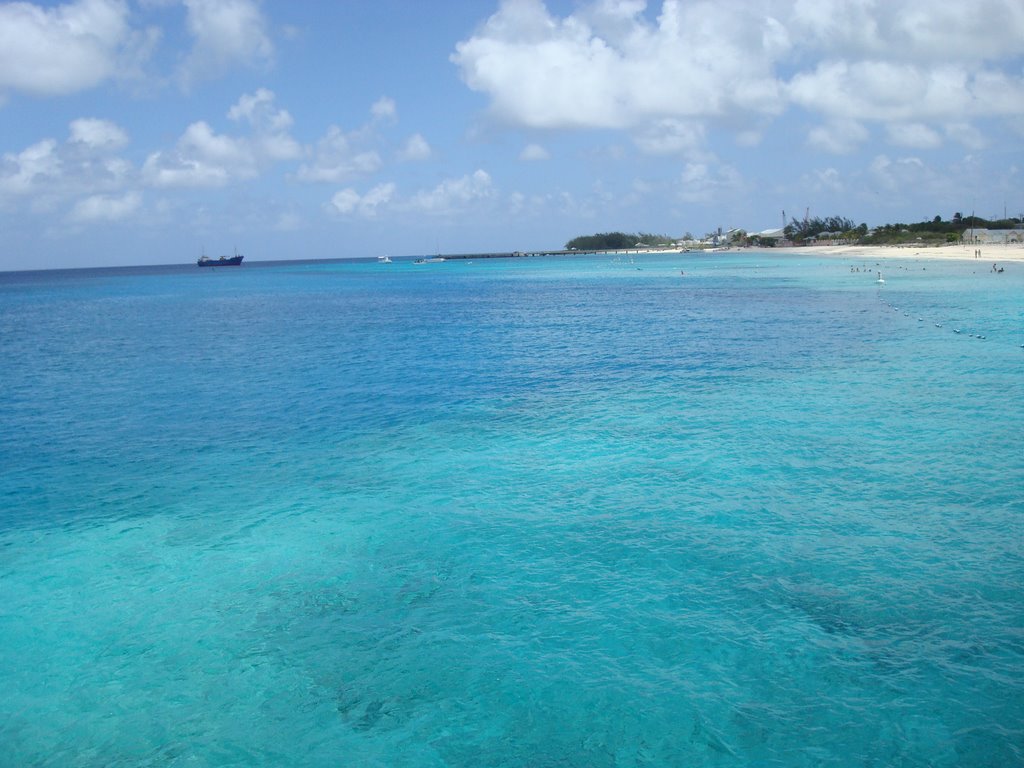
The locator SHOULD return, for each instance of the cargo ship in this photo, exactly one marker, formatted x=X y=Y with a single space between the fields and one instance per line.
x=223 y=261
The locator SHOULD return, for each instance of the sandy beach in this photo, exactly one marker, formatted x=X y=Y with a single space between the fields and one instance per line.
x=992 y=253
x=988 y=252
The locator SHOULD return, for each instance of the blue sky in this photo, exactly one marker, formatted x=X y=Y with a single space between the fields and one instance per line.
x=147 y=131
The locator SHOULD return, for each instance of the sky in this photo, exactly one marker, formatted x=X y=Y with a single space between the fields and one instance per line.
x=152 y=131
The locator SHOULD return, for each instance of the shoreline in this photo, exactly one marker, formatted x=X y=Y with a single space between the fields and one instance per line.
x=993 y=252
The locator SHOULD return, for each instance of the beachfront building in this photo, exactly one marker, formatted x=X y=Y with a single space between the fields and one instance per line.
x=994 y=236
x=770 y=237
x=828 y=238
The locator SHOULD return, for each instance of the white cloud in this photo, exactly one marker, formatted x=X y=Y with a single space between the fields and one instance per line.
x=201 y=158
x=606 y=66
x=996 y=93
x=276 y=146
x=225 y=33
x=670 y=136
x=739 y=64
x=49 y=173
x=541 y=205
x=204 y=158
x=376 y=197
x=341 y=157
x=99 y=135
x=416 y=148
x=827 y=180
x=200 y=140
x=26 y=171
x=966 y=134
x=258 y=110
x=534 y=152
x=270 y=125
x=106 y=207
x=348 y=201
x=337 y=160
x=345 y=200
x=895 y=177
x=913 y=135
x=918 y=30
x=110 y=173
x=62 y=49
x=839 y=137
x=384 y=109
x=453 y=194
x=882 y=90
x=700 y=183
x=908 y=60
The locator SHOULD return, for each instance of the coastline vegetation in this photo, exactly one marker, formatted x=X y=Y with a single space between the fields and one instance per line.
x=617 y=241
x=831 y=229
x=934 y=231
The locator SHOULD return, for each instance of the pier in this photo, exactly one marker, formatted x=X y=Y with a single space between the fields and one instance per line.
x=571 y=252
x=512 y=254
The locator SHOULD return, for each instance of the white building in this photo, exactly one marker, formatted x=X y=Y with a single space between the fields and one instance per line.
x=993 y=236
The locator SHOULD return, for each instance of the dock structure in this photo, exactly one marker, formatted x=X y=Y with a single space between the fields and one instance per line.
x=569 y=252
x=572 y=252
x=513 y=254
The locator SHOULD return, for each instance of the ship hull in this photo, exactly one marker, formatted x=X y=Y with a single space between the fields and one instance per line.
x=224 y=261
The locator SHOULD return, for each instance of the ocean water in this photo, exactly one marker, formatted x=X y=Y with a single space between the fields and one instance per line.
x=552 y=512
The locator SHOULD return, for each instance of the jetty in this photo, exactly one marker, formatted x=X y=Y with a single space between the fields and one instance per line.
x=569 y=252
x=511 y=254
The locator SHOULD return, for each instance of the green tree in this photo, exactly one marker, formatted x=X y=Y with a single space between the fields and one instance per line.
x=615 y=241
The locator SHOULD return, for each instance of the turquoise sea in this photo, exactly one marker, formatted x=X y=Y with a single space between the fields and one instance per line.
x=531 y=512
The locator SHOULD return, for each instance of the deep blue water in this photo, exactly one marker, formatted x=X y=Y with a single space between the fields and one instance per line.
x=559 y=512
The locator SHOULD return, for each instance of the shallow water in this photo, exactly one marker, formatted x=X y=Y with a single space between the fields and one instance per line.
x=516 y=513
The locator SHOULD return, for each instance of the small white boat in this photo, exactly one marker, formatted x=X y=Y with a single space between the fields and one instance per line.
x=383 y=259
